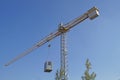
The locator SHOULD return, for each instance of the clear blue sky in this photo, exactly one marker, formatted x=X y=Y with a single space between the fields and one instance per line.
x=25 y=22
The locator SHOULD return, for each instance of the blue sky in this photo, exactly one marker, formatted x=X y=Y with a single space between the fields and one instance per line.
x=25 y=22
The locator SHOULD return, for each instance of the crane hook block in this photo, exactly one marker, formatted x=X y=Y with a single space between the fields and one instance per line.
x=49 y=45
x=48 y=66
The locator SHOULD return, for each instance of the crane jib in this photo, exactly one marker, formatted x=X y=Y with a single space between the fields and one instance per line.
x=91 y=14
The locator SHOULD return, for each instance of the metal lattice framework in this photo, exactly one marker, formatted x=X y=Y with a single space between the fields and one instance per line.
x=91 y=14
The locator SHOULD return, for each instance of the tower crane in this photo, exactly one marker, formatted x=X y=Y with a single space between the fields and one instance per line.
x=61 y=31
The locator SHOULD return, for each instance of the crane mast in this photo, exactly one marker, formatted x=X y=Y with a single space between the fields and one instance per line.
x=64 y=65
x=63 y=55
x=61 y=31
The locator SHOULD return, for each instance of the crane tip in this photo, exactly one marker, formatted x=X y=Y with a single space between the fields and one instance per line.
x=6 y=65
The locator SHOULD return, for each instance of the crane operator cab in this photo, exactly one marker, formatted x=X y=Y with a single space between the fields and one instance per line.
x=48 y=66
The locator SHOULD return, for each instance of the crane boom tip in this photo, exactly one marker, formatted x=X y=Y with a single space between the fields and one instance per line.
x=6 y=65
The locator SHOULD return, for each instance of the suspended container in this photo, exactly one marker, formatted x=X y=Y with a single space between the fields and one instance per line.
x=48 y=66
